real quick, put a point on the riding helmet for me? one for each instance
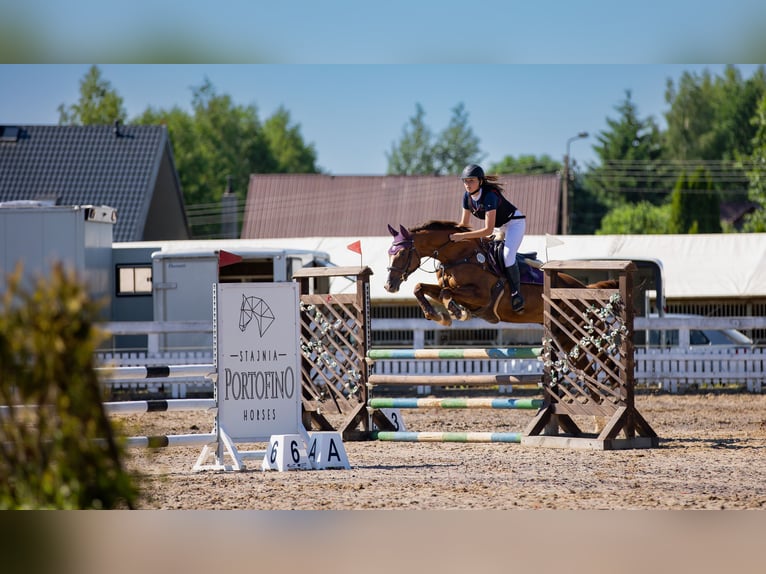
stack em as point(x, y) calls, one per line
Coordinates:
point(472, 170)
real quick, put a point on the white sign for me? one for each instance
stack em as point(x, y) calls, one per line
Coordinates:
point(258, 358)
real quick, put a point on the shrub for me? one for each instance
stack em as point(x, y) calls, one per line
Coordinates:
point(58, 450)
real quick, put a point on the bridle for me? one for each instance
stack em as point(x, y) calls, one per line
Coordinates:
point(397, 247)
point(409, 244)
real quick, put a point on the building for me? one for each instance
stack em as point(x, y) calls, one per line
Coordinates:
point(308, 205)
point(129, 168)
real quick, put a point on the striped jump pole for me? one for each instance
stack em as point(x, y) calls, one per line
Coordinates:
point(111, 374)
point(160, 405)
point(427, 436)
point(451, 380)
point(162, 441)
point(152, 406)
point(454, 403)
point(487, 353)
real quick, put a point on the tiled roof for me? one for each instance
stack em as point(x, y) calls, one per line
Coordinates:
point(288, 205)
point(81, 165)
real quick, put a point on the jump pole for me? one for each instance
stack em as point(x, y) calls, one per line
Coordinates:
point(454, 403)
point(486, 353)
point(427, 436)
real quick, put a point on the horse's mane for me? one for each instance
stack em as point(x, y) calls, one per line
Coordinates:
point(435, 225)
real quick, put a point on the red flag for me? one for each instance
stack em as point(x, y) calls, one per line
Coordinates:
point(356, 246)
point(225, 258)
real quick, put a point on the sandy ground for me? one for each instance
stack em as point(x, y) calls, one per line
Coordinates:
point(711, 456)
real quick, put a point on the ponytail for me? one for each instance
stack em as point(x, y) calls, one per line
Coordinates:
point(491, 184)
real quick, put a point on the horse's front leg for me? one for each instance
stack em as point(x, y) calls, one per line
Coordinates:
point(433, 291)
point(458, 300)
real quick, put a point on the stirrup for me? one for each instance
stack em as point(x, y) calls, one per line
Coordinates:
point(517, 302)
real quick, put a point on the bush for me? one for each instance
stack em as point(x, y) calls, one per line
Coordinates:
point(60, 451)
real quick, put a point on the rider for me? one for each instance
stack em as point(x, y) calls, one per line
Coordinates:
point(484, 199)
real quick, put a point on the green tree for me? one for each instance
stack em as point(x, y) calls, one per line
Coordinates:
point(756, 221)
point(62, 452)
point(710, 124)
point(221, 139)
point(641, 218)
point(286, 145)
point(586, 210)
point(694, 207)
point(456, 145)
point(627, 152)
point(418, 152)
point(710, 117)
point(527, 164)
point(413, 154)
point(99, 104)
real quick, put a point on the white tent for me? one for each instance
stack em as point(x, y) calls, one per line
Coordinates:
point(714, 265)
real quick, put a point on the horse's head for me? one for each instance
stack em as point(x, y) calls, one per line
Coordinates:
point(403, 259)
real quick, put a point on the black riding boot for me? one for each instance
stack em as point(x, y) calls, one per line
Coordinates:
point(517, 301)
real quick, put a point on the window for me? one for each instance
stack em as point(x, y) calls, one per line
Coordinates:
point(134, 280)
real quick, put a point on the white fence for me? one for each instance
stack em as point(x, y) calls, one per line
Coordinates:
point(676, 369)
point(671, 369)
point(153, 355)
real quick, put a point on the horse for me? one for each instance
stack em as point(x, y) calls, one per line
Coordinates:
point(469, 283)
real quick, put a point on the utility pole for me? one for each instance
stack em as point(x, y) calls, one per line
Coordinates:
point(229, 224)
point(565, 186)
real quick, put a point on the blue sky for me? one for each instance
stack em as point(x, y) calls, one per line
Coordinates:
point(394, 31)
point(353, 114)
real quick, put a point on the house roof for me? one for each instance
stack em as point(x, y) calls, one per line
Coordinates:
point(292, 205)
point(129, 168)
point(733, 211)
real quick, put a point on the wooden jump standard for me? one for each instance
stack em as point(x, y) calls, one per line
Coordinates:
point(587, 355)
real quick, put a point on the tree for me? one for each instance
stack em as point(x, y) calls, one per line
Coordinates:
point(694, 208)
point(286, 145)
point(756, 221)
point(413, 155)
point(710, 124)
point(586, 210)
point(526, 164)
point(456, 145)
point(641, 218)
point(221, 139)
point(99, 104)
point(627, 151)
point(420, 153)
point(709, 118)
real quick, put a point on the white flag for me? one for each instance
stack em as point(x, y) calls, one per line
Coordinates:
point(551, 241)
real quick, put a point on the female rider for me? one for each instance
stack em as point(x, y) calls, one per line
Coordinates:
point(484, 199)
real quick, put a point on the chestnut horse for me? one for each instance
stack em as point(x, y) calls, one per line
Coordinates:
point(467, 285)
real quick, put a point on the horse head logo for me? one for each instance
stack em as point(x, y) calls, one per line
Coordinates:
point(255, 308)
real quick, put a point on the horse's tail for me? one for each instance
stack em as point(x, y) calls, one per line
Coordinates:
point(607, 284)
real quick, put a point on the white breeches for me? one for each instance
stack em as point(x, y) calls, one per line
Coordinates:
point(514, 234)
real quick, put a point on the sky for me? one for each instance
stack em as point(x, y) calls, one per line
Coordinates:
point(354, 114)
point(531, 75)
point(394, 31)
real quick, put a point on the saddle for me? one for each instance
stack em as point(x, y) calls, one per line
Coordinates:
point(529, 266)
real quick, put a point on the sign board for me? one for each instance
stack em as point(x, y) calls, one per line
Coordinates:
point(257, 349)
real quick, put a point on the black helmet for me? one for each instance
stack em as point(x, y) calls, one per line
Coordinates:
point(472, 170)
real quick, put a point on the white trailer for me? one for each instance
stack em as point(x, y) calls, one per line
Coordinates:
point(177, 279)
point(38, 234)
